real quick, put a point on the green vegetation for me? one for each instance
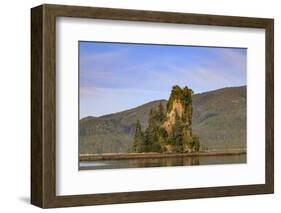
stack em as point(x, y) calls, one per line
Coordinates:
point(138, 145)
point(170, 131)
point(185, 97)
point(218, 117)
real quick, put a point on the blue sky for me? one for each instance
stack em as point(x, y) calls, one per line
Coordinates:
point(115, 77)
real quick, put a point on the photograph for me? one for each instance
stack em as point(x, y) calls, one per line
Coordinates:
point(155, 105)
point(140, 105)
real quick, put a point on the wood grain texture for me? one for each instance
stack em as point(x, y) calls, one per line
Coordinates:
point(269, 118)
point(43, 105)
point(36, 106)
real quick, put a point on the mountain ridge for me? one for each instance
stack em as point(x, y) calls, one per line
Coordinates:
point(219, 118)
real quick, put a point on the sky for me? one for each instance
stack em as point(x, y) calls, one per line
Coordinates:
point(118, 76)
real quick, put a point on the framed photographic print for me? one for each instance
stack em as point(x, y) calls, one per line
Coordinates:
point(136, 106)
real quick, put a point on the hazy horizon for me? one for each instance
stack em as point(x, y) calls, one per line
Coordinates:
point(115, 77)
point(153, 101)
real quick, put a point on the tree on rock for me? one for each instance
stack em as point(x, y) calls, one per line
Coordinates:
point(169, 131)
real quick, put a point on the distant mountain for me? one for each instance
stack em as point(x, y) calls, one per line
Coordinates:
point(219, 118)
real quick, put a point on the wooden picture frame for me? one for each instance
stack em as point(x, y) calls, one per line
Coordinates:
point(43, 105)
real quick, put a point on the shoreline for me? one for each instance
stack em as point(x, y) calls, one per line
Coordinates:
point(132, 156)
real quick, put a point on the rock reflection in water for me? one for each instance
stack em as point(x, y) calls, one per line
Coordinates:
point(162, 162)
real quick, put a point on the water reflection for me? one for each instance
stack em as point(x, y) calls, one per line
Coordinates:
point(161, 162)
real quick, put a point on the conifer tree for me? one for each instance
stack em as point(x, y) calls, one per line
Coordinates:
point(138, 145)
point(161, 113)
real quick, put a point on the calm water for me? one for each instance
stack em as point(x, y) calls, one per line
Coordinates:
point(160, 162)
